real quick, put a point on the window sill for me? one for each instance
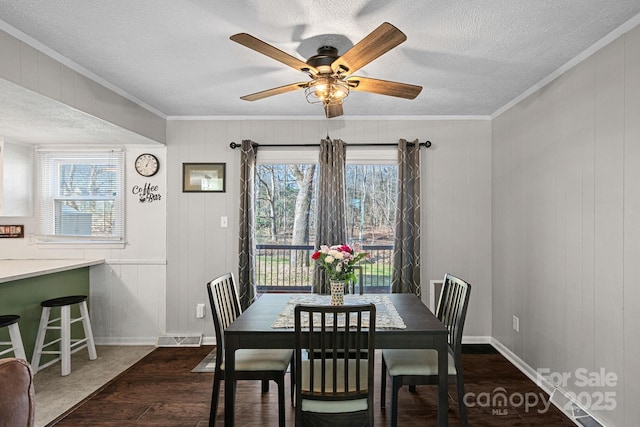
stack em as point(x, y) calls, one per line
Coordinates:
point(80, 244)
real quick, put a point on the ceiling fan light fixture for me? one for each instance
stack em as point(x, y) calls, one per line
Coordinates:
point(327, 91)
point(332, 74)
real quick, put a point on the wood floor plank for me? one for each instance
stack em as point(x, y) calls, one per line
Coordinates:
point(161, 390)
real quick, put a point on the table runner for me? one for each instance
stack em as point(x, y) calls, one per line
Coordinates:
point(387, 316)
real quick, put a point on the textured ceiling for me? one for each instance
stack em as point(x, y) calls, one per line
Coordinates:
point(27, 117)
point(471, 57)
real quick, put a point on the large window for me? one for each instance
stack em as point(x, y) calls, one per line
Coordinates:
point(81, 196)
point(285, 217)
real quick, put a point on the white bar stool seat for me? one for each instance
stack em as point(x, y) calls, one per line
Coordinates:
point(15, 345)
point(63, 324)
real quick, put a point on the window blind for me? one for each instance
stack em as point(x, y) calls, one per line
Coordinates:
point(81, 195)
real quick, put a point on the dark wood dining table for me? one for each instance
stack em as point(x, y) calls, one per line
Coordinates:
point(253, 329)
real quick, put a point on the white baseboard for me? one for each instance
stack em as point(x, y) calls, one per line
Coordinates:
point(557, 396)
point(476, 340)
point(125, 340)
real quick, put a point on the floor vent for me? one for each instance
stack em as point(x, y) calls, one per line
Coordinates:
point(176, 341)
point(577, 414)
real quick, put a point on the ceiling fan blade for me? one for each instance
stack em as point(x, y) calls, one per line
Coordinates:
point(333, 110)
point(275, 91)
point(378, 42)
point(272, 52)
point(383, 87)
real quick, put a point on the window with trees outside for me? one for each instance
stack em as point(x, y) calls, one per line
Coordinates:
point(285, 218)
point(81, 197)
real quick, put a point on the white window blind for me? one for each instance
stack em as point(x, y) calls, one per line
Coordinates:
point(82, 195)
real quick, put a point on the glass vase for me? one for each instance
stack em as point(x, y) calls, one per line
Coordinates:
point(337, 292)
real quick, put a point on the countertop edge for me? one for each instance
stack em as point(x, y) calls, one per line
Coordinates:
point(39, 267)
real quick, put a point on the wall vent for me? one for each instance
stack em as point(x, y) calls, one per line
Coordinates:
point(435, 288)
point(177, 341)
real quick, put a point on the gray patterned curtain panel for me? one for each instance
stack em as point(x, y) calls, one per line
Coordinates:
point(406, 244)
point(331, 224)
point(246, 278)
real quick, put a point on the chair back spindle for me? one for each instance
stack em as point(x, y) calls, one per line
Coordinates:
point(452, 309)
point(335, 355)
point(225, 307)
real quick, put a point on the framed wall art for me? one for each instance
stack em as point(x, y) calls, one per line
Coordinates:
point(203, 177)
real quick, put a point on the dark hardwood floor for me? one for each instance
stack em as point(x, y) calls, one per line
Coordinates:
point(161, 390)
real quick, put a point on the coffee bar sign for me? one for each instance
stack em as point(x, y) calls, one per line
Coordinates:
point(11, 231)
point(147, 193)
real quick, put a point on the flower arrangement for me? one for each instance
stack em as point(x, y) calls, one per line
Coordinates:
point(339, 260)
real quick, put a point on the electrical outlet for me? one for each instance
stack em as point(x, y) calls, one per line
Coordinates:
point(200, 311)
point(516, 323)
point(223, 222)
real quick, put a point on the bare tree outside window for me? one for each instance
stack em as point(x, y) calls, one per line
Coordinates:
point(286, 215)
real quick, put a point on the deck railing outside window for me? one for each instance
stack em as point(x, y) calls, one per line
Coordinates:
point(289, 268)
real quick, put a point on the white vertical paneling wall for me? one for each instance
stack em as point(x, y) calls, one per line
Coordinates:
point(128, 292)
point(566, 230)
point(128, 295)
point(456, 227)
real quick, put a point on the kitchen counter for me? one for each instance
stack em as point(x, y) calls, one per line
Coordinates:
point(25, 283)
point(16, 269)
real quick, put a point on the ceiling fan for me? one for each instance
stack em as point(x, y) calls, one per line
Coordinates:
point(331, 74)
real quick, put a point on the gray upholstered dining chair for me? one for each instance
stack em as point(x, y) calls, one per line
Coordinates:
point(250, 364)
point(418, 367)
point(334, 388)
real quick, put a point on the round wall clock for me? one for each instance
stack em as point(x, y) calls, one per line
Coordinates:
point(147, 164)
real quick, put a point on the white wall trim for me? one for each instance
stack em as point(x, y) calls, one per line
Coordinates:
point(523, 366)
point(126, 340)
point(624, 28)
point(208, 340)
point(136, 261)
point(545, 385)
point(320, 117)
point(476, 340)
point(211, 340)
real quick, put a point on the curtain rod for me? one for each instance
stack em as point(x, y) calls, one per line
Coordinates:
point(427, 144)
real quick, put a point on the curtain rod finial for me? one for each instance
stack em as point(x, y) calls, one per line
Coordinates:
point(233, 145)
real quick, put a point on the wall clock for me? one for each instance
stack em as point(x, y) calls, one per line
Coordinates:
point(147, 164)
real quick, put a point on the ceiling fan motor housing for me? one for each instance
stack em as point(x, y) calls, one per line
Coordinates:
point(323, 60)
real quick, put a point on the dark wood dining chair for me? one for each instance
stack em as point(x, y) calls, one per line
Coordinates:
point(420, 367)
point(335, 364)
point(250, 364)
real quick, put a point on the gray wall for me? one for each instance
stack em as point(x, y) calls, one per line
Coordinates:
point(456, 203)
point(566, 225)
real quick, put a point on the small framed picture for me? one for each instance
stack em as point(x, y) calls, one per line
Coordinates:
point(203, 178)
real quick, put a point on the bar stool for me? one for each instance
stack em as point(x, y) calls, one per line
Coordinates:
point(63, 323)
point(15, 345)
